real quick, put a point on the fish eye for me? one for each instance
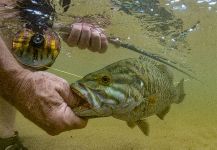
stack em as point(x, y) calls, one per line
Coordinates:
point(105, 80)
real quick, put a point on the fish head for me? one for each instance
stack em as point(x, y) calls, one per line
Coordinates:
point(103, 90)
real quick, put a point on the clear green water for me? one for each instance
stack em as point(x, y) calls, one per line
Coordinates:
point(191, 125)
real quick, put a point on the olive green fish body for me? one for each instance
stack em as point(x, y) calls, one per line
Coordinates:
point(130, 90)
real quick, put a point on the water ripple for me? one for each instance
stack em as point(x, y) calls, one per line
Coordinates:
point(180, 5)
point(177, 5)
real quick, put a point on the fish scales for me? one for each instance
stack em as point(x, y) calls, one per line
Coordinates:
point(131, 90)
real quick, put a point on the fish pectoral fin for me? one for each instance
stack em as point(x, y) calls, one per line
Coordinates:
point(143, 126)
point(162, 114)
point(131, 124)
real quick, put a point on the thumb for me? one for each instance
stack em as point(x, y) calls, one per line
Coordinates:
point(72, 121)
point(64, 119)
point(71, 99)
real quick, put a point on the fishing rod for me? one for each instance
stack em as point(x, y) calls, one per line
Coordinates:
point(117, 42)
point(40, 22)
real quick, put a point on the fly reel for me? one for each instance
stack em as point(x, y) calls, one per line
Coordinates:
point(36, 50)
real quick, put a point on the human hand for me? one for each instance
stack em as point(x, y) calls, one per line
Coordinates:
point(46, 100)
point(86, 35)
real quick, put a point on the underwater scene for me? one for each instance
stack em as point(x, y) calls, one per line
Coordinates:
point(180, 34)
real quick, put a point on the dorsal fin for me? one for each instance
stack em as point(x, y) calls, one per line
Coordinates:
point(161, 67)
point(163, 61)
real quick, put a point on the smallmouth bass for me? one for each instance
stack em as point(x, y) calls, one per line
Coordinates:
point(130, 90)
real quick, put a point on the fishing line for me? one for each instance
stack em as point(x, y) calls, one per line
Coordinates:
point(71, 74)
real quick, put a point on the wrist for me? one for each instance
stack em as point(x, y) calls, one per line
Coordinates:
point(10, 71)
point(11, 79)
point(11, 74)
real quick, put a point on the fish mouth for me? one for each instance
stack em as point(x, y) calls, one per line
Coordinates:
point(84, 99)
point(75, 88)
point(87, 107)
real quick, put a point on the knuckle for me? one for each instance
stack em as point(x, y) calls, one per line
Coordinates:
point(95, 35)
point(64, 82)
point(103, 37)
point(86, 29)
point(76, 26)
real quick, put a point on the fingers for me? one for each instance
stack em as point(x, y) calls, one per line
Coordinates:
point(104, 43)
point(95, 42)
point(72, 121)
point(62, 87)
point(85, 35)
point(66, 93)
point(75, 34)
point(59, 117)
point(64, 113)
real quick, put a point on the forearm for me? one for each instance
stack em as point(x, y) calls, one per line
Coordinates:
point(9, 71)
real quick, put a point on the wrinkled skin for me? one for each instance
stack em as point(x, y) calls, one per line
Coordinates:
point(47, 101)
point(42, 97)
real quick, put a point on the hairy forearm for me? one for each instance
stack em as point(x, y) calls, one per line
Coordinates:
point(41, 97)
point(9, 71)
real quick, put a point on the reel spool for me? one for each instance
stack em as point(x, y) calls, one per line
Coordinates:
point(36, 50)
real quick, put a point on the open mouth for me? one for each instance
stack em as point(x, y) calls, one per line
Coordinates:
point(80, 91)
point(90, 104)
